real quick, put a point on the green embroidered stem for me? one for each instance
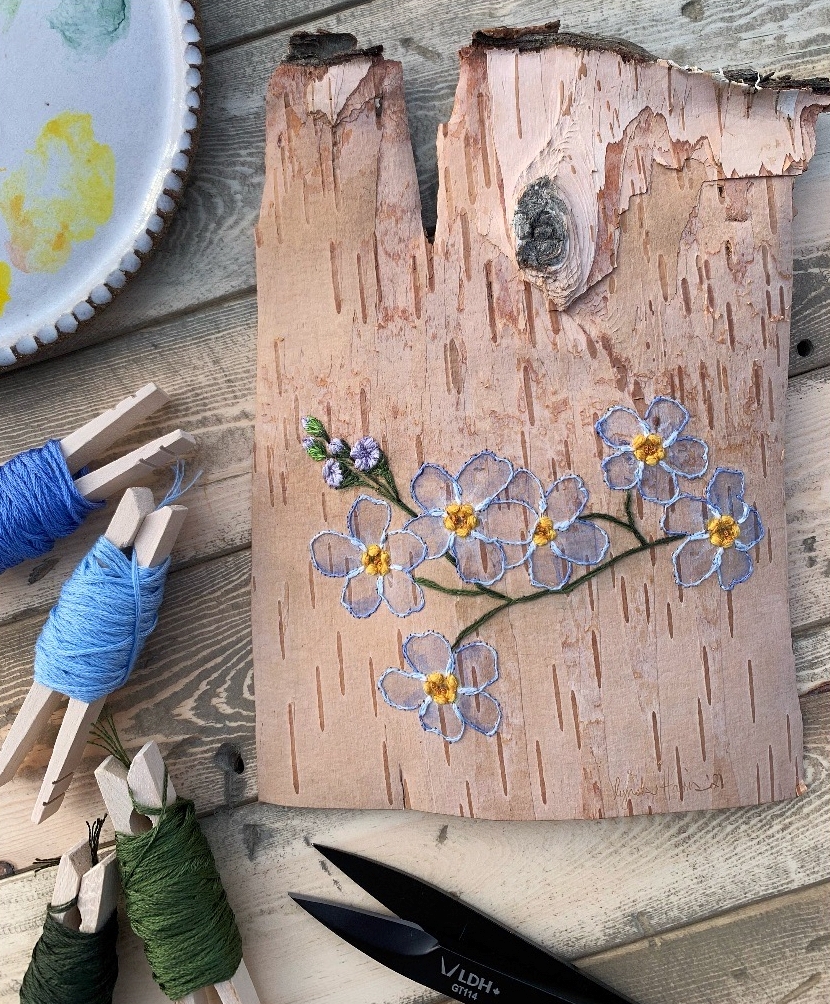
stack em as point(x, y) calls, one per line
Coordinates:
point(571, 586)
point(476, 591)
point(629, 511)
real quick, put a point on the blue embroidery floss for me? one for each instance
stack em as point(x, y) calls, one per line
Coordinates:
point(106, 611)
point(39, 503)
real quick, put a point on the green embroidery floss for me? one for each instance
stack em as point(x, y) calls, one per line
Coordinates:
point(176, 903)
point(69, 967)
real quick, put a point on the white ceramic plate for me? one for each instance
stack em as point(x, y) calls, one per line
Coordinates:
point(99, 112)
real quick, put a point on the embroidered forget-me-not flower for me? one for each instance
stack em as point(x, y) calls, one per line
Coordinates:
point(377, 565)
point(649, 453)
point(456, 518)
point(448, 689)
point(720, 530)
point(556, 538)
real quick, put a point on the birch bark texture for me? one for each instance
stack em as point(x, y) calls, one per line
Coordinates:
point(629, 695)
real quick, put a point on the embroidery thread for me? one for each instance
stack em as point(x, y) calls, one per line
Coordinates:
point(490, 518)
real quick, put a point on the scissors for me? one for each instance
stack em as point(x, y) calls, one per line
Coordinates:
point(438, 941)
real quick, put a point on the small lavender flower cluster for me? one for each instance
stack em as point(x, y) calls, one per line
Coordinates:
point(342, 464)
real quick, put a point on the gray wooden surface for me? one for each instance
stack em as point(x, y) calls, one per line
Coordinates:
point(710, 907)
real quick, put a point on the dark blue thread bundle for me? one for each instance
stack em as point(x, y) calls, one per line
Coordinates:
point(39, 503)
point(106, 611)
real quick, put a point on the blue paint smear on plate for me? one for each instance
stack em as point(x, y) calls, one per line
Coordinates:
point(8, 9)
point(90, 26)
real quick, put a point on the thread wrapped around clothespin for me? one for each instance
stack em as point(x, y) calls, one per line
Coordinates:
point(172, 888)
point(106, 611)
point(39, 503)
point(74, 960)
point(46, 493)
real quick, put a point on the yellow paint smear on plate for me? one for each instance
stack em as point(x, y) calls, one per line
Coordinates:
point(61, 193)
point(5, 285)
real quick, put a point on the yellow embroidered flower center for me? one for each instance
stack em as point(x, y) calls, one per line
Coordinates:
point(723, 531)
point(544, 532)
point(648, 449)
point(375, 560)
point(441, 687)
point(460, 518)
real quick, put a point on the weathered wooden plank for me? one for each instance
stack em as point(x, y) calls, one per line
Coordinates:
point(225, 24)
point(776, 950)
point(205, 362)
point(644, 875)
point(192, 691)
point(209, 252)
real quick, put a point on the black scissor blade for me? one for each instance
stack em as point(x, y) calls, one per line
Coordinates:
point(465, 931)
point(410, 951)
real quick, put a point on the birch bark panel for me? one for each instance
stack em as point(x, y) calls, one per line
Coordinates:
point(628, 696)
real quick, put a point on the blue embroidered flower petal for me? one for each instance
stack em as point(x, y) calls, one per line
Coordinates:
point(480, 711)
point(483, 477)
point(369, 519)
point(694, 560)
point(547, 570)
point(428, 652)
point(401, 594)
point(523, 487)
point(334, 554)
point(621, 470)
point(735, 567)
point(725, 493)
point(404, 691)
point(506, 522)
point(688, 456)
point(565, 500)
point(443, 720)
point(667, 417)
point(431, 530)
point(476, 666)
point(405, 549)
point(751, 529)
point(432, 488)
point(685, 516)
point(361, 595)
point(582, 542)
point(479, 560)
point(619, 426)
point(658, 484)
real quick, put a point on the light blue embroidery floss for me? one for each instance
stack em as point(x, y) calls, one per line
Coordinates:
point(106, 611)
point(39, 503)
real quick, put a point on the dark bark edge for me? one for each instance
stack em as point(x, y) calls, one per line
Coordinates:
point(324, 48)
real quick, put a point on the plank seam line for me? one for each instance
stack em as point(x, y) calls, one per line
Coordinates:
point(292, 22)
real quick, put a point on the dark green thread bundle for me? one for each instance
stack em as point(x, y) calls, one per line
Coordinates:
point(69, 967)
point(176, 903)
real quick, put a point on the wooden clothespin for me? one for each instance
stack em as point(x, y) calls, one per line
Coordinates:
point(90, 890)
point(91, 440)
point(145, 780)
point(152, 534)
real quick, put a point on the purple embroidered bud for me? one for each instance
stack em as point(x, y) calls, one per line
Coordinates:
point(366, 454)
point(336, 447)
point(333, 473)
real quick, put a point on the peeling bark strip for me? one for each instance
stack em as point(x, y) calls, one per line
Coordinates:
point(610, 228)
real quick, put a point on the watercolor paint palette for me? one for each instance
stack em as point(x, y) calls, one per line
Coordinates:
point(98, 123)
